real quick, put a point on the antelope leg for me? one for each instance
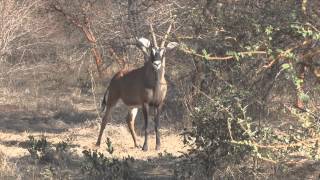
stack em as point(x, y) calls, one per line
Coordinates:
point(130, 120)
point(157, 125)
point(104, 121)
point(145, 110)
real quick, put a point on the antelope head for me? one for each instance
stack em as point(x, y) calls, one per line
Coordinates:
point(152, 52)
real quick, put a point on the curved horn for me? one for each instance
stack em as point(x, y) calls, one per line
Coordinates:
point(153, 36)
point(166, 35)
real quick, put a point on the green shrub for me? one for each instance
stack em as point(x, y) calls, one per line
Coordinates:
point(98, 166)
point(43, 151)
point(216, 124)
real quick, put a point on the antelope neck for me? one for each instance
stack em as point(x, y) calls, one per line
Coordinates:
point(154, 77)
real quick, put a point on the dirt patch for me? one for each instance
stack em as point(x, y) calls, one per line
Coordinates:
point(80, 129)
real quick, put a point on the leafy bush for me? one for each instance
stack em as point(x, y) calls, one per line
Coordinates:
point(110, 148)
point(43, 151)
point(94, 164)
point(217, 124)
point(98, 166)
point(38, 149)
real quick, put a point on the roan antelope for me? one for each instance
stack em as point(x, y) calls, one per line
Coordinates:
point(143, 87)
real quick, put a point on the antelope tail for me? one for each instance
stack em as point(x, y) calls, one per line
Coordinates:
point(104, 101)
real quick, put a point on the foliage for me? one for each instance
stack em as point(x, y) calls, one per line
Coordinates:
point(216, 124)
point(234, 116)
point(223, 135)
point(93, 164)
point(110, 148)
point(97, 165)
point(38, 148)
point(43, 151)
point(48, 160)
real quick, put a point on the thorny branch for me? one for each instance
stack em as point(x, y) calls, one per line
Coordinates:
point(86, 29)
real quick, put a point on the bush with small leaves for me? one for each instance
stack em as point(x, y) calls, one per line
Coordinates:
point(217, 124)
point(98, 166)
point(43, 151)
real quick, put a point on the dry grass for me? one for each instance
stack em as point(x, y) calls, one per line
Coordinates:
point(64, 112)
point(74, 121)
point(6, 169)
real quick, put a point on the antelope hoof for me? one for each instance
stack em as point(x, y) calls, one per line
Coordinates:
point(145, 147)
point(157, 147)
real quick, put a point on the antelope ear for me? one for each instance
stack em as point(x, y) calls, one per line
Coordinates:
point(172, 45)
point(144, 42)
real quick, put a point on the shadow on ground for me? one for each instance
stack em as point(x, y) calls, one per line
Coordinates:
point(303, 170)
point(70, 166)
point(16, 120)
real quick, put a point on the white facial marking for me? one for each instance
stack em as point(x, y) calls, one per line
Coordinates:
point(156, 64)
point(154, 51)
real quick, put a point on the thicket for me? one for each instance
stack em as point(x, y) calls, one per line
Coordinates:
point(248, 105)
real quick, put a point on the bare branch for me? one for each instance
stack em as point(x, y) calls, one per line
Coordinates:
point(86, 29)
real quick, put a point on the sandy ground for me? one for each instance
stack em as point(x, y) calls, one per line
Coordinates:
point(85, 137)
point(78, 127)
